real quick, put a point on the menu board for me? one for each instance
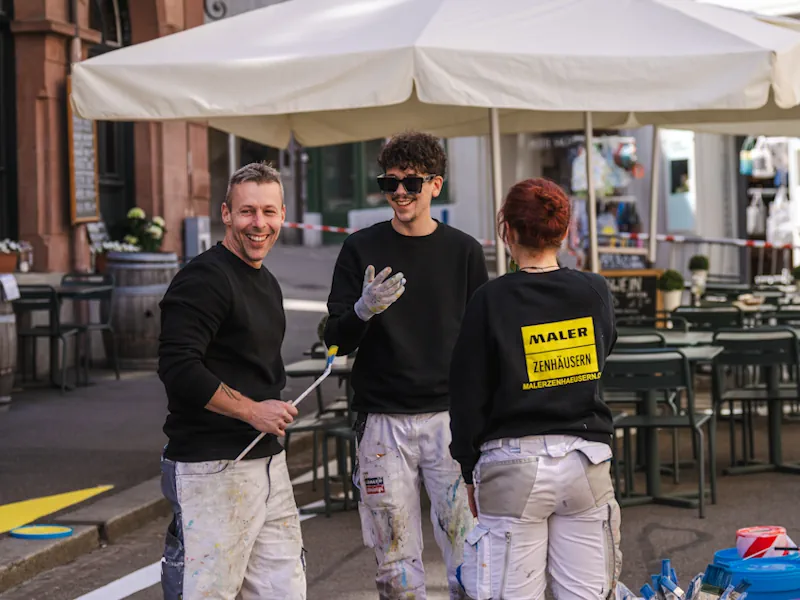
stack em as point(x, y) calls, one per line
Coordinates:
point(83, 177)
point(635, 292)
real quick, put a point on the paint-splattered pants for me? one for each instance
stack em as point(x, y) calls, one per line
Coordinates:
point(395, 454)
point(235, 533)
point(545, 504)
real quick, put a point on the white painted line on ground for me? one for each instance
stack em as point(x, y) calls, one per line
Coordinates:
point(317, 306)
point(128, 585)
point(308, 477)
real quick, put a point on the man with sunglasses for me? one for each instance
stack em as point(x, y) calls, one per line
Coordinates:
point(404, 327)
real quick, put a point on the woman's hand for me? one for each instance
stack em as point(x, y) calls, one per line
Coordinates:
point(471, 499)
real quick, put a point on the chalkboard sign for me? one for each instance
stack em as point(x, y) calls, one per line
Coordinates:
point(615, 262)
point(83, 177)
point(97, 233)
point(635, 292)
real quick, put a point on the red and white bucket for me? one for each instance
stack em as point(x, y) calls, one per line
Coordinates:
point(760, 542)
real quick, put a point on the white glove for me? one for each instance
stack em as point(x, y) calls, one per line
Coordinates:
point(378, 293)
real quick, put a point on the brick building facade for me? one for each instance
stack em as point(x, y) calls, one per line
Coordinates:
point(160, 167)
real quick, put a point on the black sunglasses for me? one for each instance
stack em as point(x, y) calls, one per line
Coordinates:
point(412, 183)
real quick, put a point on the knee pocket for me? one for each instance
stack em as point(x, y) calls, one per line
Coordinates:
point(487, 565)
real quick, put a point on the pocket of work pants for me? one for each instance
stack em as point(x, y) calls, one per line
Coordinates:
point(379, 482)
point(504, 487)
point(485, 570)
point(613, 554)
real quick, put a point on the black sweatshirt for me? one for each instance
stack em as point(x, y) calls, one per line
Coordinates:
point(404, 353)
point(528, 361)
point(221, 321)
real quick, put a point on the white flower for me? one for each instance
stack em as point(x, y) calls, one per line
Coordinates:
point(155, 232)
point(136, 213)
point(159, 221)
point(9, 247)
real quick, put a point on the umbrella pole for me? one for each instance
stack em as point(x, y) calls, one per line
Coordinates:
point(233, 151)
point(497, 188)
point(655, 178)
point(594, 256)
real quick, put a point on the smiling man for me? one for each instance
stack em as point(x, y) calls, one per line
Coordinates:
point(405, 327)
point(235, 531)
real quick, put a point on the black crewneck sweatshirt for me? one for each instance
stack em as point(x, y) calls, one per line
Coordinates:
point(221, 321)
point(404, 353)
point(528, 361)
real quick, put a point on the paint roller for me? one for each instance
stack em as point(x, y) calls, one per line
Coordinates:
point(328, 366)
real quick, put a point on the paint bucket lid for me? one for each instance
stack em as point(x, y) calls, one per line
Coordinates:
point(768, 575)
point(41, 532)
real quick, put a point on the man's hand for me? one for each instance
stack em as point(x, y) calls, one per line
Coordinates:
point(473, 508)
point(272, 416)
point(378, 293)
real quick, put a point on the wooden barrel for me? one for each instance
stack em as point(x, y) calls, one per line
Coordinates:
point(140, 281)
point(8, 349)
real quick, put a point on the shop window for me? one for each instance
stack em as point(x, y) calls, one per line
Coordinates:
point(105, 17)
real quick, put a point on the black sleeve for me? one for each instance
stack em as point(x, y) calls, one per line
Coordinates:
point(471, 386)
point(478, 273)
point(344, 328)
point(192, 310)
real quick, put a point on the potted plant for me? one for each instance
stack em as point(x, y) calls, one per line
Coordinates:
point(100, 253)
point(671, 285)
point(698, 262)
point(698, 265)
point(796, 274)
point(9, 255)
point(146, 233)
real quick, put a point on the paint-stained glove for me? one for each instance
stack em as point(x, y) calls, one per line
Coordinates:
point(378, 293)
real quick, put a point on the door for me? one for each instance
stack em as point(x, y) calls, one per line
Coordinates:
point(115, 148)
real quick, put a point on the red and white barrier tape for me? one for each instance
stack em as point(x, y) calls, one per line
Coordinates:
point(677, 239)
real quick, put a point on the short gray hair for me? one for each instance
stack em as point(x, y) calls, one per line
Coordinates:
point(257, 172)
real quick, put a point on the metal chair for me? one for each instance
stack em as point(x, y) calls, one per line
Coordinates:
point(711, 318)
point(649, 372)
point(666, 321)
point(106, 299)
point(44, 298)
point(766, 349)
point(644, 341)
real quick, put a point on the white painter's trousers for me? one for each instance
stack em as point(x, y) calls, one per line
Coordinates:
point(545, 504)
point(235, 533)
point(396, 453)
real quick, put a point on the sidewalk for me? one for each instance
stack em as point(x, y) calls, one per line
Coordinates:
point(109, 433)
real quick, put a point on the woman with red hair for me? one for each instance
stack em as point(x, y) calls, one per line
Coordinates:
point(529, 428)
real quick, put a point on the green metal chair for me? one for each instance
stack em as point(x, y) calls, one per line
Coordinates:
point(761, 350)
point(650, 372)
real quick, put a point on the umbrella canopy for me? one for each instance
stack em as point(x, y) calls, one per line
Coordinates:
point(334, 71)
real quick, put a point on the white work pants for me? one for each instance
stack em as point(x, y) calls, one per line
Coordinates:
point(395, 454)
point(545, 504)
point(235, 533)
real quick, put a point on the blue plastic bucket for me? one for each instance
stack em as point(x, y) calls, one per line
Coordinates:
point(771, 578)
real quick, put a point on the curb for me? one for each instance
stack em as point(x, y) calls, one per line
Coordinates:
point(120, 514)
point(106, 520)
point(21, 560)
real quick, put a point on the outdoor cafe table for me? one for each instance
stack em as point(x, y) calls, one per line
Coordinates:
point(69, 292)
point(695, 355)
point(691, 340)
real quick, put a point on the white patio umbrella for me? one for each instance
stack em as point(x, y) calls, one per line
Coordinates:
point(334, 71)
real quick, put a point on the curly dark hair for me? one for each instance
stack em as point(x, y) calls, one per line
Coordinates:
point(414, 150)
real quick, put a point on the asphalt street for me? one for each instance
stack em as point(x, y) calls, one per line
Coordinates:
point(111, 433)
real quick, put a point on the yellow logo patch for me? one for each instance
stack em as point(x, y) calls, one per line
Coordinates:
point(560, 353)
